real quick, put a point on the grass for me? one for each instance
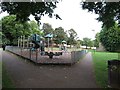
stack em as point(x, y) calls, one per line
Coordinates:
point(100, 60)
point(6, 80)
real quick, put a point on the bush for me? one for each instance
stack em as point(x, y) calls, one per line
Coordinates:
point(110, 38)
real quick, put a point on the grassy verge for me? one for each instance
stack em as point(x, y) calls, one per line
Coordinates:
point(6, 80)
point(100, 60)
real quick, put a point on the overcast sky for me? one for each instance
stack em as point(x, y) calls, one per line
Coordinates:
point(82, 21)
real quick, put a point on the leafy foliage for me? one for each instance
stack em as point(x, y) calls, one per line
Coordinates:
point(12, 29)
point(97, 40)
point(108, 12)
point(60, 35)
point(47, 28)
point(87, 42)
point(23, 10)
point(34, 28)
point(110, 38)
point(72, 37)
point(8, 27)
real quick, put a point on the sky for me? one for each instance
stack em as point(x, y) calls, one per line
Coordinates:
point(82, 21)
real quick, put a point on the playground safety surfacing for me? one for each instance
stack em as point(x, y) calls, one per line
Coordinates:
point(64, 59)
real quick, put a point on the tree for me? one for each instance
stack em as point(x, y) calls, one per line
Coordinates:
point(23, 10)
point(59, 35)
point(72, 37)
point(47, 28)
point(3, 39)
point(0, 37)
point(78, 43)
point(97, 40)
point(8, 27)
point(35, 28)
point(110, 38)
point(87, 42)
point(12, 29)
point(108, 12)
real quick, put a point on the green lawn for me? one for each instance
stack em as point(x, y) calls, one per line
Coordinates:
point(6, 80)
point(100, 60)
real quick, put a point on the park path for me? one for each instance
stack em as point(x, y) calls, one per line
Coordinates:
point(25, 74)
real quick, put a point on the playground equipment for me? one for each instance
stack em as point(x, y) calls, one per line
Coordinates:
point(51, 53)
point(38, 42)
point(24, 42)
point(64, 45)
point(35, 42)
point(35, 48)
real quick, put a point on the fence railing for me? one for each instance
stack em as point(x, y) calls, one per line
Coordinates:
point(34, 55)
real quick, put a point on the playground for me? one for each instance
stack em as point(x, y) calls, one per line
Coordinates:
point(36, 50)
point(75, 51)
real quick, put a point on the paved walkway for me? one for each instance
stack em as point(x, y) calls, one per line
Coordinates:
point(0, 69)
point(25, 74)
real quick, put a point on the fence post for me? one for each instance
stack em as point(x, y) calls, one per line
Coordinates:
point(23, 41)
point(36, 55)
point(18, 42)
point(30, 53)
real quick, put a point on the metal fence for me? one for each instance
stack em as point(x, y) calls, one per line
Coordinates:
point(77, 55)
point(35, 55)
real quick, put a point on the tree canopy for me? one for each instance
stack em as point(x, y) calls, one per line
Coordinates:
point(108, 12)
point(12, 29)
point(87, 42)
point(72, 37)
point(23, 10)
point(47, 28)
point(97, 40)
point(60, 35)
point(34, 28)
point(110, 38)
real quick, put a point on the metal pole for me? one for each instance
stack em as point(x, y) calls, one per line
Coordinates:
point(28, 42)
point(30, 53)
point(36, 55)
point(23, 41)
point(48, 44)
point(21, 45)
point(18, 42)
point(52, 44)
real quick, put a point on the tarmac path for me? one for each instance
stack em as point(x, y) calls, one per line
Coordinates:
point(25, 74)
